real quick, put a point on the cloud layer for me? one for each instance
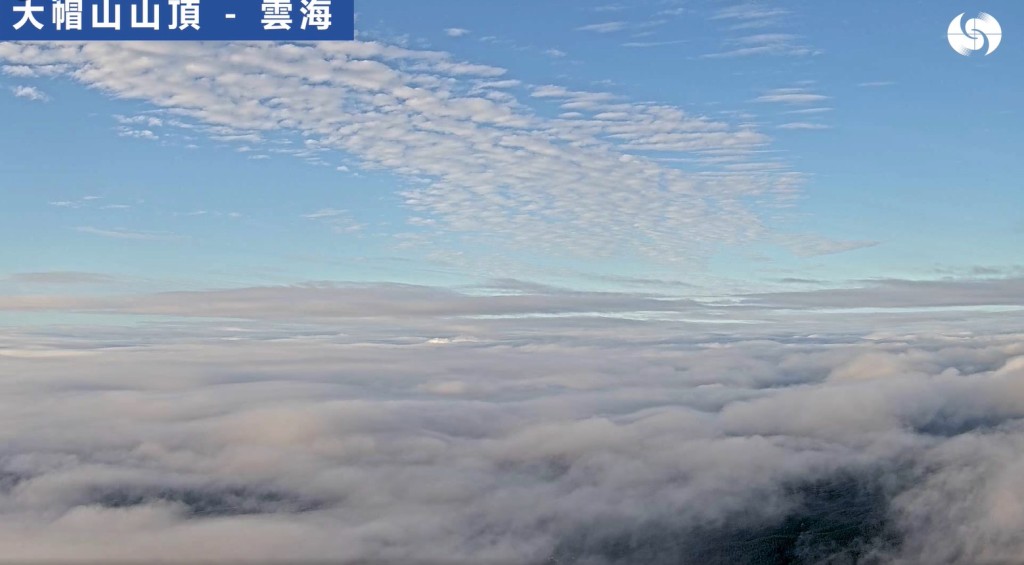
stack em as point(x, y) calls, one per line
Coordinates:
point(333, 301)
point(477, 440)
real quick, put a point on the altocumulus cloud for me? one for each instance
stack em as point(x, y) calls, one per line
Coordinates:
point(484, 159)
point(467, 439)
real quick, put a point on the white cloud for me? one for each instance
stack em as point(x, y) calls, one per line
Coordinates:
point(642, 44)
point(456, 32)
point(479, 442)
point(30, 92)
point(125, 131)
point(88, 201)
point(765, 44)
point(759, 16)
point(791, 96)
point(606, 27)
point(340, 221)
point(122, 233)
point(804, 111)
point(325, 213)
point(750, 12)
point(33, 71)
point(803, 126)
point(146, 120)
point(19, 71)
point(500, 172)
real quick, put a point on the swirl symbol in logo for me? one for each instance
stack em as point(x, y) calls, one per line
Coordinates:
point(972, 36)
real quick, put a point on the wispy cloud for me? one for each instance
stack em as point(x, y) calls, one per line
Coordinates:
point(125, 131)
point(643, 44)
point(765, 44)
point(747, 18)
point(30, 93)
point(606, 27)
point(122, 233)
point(806, 111)
point(791, 96)
point(92, 202)
point(340, 221)
point(137, 120)
point(325, 213)
point(751, 14)
point(803, 126)
point(456, 32)
point(810, 245)
point(60, 278)
point(765, 19)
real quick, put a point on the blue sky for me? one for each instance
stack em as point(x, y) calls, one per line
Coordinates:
point(780, 140)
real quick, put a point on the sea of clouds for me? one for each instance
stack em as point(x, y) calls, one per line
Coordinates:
point(576, 438)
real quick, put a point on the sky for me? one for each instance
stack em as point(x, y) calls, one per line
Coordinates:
point(725, 146)
point(575, 282)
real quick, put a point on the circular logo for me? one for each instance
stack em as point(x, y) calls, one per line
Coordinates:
point(974, 35)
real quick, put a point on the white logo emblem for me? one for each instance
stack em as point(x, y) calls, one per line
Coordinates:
point(968, 38)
